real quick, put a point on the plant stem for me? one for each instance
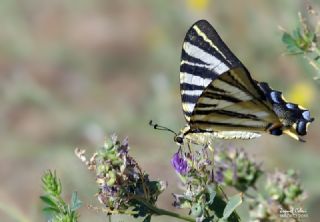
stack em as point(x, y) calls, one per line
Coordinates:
point(317, 51)
point(159, 211)
point(113, 212)
point(314, 64)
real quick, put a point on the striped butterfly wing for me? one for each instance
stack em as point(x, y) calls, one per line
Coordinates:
point(232, 102)
point(217, 91)
point(204, 57)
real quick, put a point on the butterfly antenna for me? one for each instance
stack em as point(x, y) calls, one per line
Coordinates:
point(159, 127)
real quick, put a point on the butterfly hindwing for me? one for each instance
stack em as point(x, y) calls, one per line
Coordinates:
point(232, 102)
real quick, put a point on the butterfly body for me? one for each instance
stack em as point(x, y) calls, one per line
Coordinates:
point(198, 137)
point(221, 100)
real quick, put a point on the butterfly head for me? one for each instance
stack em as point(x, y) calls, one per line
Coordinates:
point(179, 139)
point(182, 135)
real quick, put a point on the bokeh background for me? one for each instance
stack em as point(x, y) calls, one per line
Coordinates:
point(71, 72)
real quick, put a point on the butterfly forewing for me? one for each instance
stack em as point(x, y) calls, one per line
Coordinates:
point(204, 57)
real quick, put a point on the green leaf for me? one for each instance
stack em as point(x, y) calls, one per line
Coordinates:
point(232, 204)
point(291, 43)
point(287, 39)
point(309, 37)
point(212, 194)
point(217, 206)
point(208, 219)
point(75, 202)
point(147, 219)
point(50, 210)
point(196, 210)
point(49, 201)
point(184, 203)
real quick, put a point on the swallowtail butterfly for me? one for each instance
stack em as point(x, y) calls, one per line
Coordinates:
point(221, 100)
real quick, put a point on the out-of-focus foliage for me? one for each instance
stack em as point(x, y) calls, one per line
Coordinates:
point(305, 39)
point(282, 200)
point(73, 71)
point(56, 209)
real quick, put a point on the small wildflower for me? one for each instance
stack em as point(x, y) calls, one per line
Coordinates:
point(218, 176)
point(283, 191)
point(235, 168)
point(285, 188)
point(179, 163)
point(121, 183)
point(81, 154)
point(199, 182)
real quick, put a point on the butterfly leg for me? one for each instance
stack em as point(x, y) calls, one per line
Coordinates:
point(210, 147)
point(189, 147)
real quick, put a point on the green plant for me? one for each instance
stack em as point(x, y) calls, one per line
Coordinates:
point(304, 40)
point(124, 188)
point(56, 209)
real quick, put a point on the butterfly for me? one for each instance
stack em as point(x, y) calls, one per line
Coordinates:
point(220, 99)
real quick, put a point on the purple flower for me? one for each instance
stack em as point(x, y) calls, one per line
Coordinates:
point(179, 163)
point(235, 173)
point(218, 176)
point(124, 147)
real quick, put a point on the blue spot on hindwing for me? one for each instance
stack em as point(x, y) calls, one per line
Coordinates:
point(291, 106)
point(306, 115)
point(301, 127)
point(276, 96)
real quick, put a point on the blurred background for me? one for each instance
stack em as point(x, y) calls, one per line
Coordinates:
point(72, 72)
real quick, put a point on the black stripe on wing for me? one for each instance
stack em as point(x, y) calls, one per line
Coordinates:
point(187, 86)
point(226, 113)
point(215, 89)
point(202, 72)
point(219, 49)
point(195, 39)
point(218, 96)
point(204, 57)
